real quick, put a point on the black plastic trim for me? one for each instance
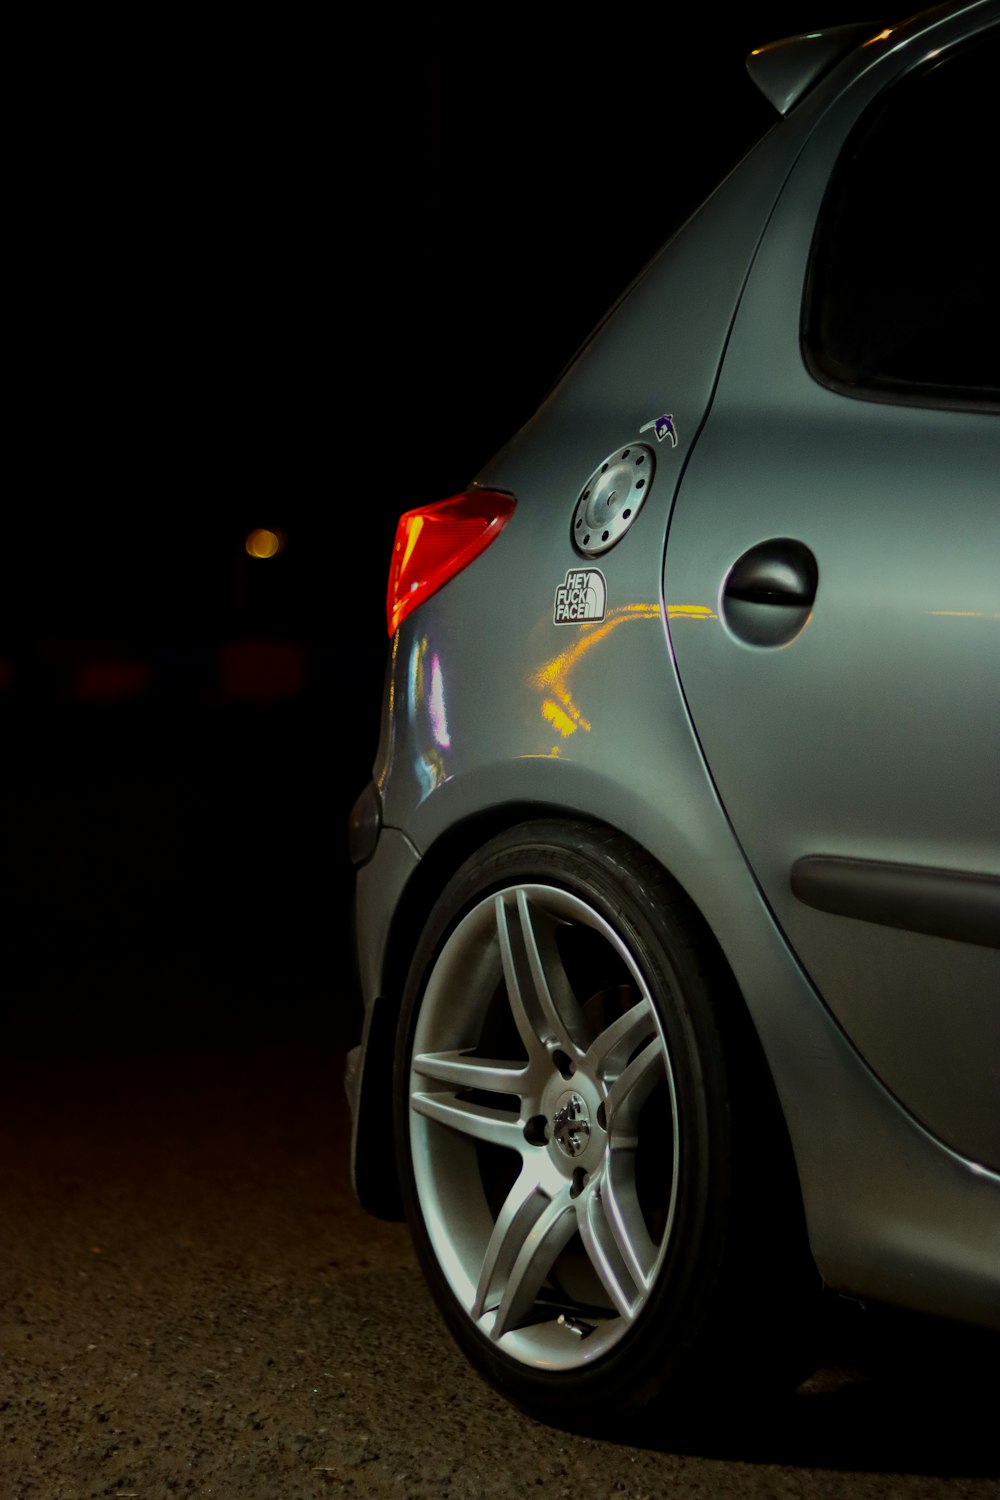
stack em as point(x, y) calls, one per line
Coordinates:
point(374, 1175)
point(941, 903)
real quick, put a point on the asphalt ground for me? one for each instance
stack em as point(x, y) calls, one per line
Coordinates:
point(192, 1304)
point(191, 1301)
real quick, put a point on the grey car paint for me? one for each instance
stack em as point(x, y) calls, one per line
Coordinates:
point(486, 721)
point(875, 730)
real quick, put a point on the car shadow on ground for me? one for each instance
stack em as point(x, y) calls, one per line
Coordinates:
point(895, 1393)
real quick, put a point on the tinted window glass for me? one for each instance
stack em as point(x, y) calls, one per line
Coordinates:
point(902, 300)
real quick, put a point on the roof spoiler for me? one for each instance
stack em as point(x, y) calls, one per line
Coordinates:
point(787, 69)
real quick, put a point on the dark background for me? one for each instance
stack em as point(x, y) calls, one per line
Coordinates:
point(282, 273)
point(287, 271)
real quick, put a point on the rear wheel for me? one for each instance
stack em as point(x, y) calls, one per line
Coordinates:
point(567, 1124)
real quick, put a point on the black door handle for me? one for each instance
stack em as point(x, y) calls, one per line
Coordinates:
point(769, 592)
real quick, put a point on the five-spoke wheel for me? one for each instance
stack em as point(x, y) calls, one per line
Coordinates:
point(565, 1121)
point(540, 1081)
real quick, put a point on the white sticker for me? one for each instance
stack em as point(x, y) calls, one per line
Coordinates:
point(581, 598)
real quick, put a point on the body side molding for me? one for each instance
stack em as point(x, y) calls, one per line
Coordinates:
point(954, 904)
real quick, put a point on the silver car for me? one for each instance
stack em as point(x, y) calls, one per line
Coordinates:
point(677, 896)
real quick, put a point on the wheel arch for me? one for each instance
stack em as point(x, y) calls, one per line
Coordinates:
point(374, 1165)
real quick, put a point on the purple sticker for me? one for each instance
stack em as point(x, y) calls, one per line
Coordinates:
point(664, 428)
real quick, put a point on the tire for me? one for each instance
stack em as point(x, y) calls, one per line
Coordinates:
point(581, 1171)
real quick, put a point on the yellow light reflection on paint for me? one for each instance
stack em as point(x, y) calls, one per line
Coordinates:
point(967, 614)
point(264, 543)
point(690, 612)
point(383, 772)
point(415, 675)
point(558, 719)
point(880, 36)
point(394, 651)
point(551, 678)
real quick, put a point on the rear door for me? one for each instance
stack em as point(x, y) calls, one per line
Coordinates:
point(839, 523)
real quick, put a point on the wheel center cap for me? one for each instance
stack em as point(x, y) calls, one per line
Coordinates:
point(571, 1125)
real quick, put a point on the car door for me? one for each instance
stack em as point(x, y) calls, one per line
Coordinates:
point(839, 524)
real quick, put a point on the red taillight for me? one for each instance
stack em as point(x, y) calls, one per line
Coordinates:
point(435, 542)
